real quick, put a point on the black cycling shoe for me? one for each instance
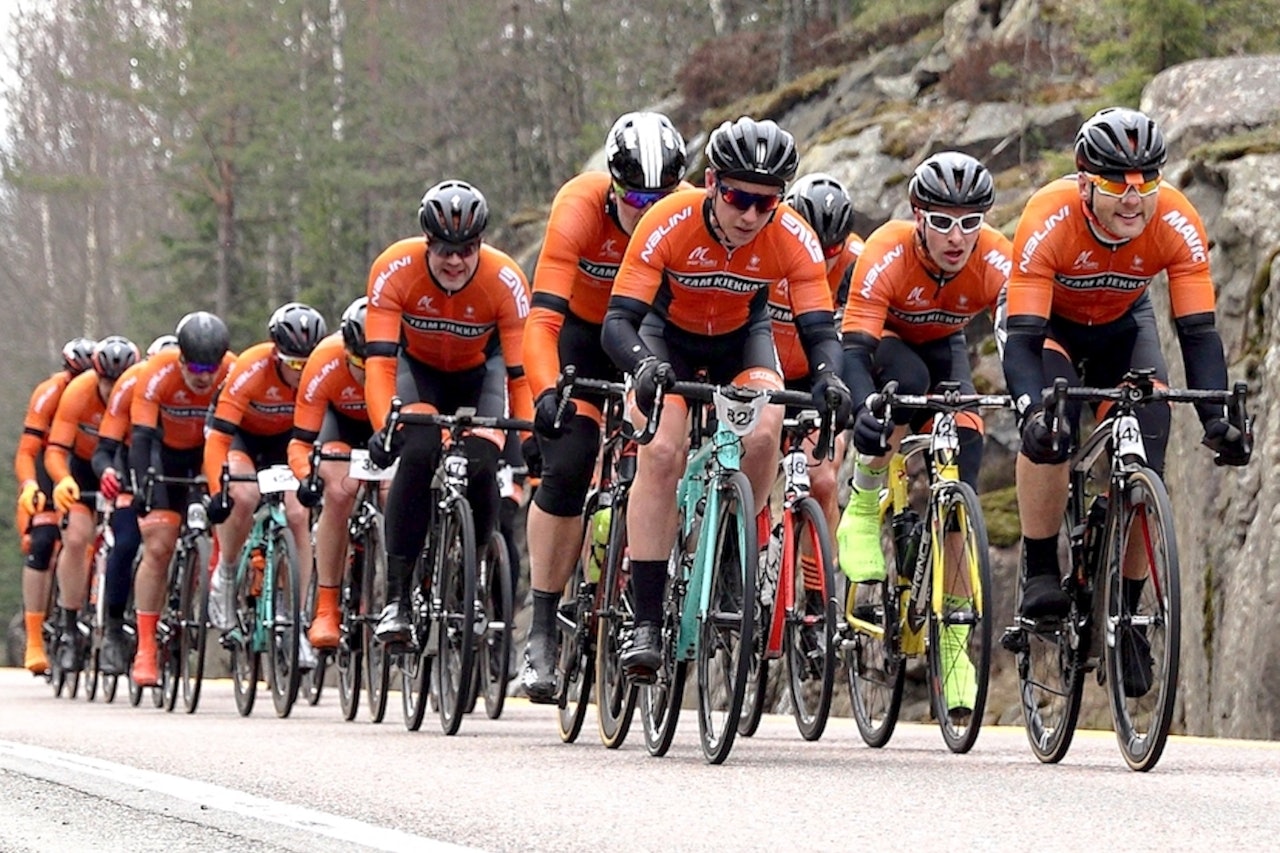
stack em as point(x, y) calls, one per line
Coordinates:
point(1135, 653)
point(116, 651)
point(70, 655)
point(1043, 596)
point(395, 624)
point(641, 656)
point(539, 673)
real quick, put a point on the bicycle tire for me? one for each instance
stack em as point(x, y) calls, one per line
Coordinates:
point(660, 702)
point(455, 580)
point(311, 686)
point(193, 640)
point(724, 649)
point(373, 585)
point(1150, 626)
point(616, 695)
point(349, 656)
point(1051, 658)
point(169, 633)
point(873, 661)
point(285, 631)
point(960, 635)
point(415, 685)
point(808, 669)
point(246, 662)
point(493, 663)
point(97, 611)
point(575, 665)
point(758, 677)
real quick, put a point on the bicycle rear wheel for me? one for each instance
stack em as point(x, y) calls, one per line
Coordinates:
point(455, 580)
point(724, 649)
point(1143, 619)
point(349, 656)
point(810, 641)
point(960, 629)
point(285, 630)
point(193, 637)
point(753, 703)
point(493, 663)
point(615, 693)
point(373, 595)
point(246, 662)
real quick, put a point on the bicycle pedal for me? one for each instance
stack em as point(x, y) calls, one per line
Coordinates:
point(1014, 640)
point(641, 676)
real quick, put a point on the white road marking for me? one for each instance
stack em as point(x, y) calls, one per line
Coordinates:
point(229, 800)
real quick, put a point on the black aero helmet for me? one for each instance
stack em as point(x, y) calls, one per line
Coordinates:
point(353, 327)
point(952, 179)
point(202, 338)
point(756, 151)
point(1118, 140)
point(113, 356)
point(295, 329)
point(77, 355)
point(454, 212)
point(645, 152)
point(824, 203)
point(162, 342)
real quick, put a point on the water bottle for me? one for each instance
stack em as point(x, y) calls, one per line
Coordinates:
point(1094, 528)
point(599, 533)
point(906, 546)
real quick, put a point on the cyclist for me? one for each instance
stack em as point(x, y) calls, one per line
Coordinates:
point(591, 220)
point(824, 203)
point(110, 458)
point(37, 522)
point(250, 430)
point(331, 410)
point(168, 412)
point(913, 291)
point(435, 304)
point(72, 439)
point(1087, 248)
point(692, 293)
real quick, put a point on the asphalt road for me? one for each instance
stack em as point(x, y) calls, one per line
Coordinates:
point(79, 776)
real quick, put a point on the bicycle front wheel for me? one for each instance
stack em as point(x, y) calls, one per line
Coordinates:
point(311, 684)
point(193, 637)
point(724, 649)
point(373, 586)
point(285, 630)
point(615, 693)
point(169, 633)
point(1142, 601)
point(576, 664)
point(349, 657)
point(811, 620)
point(493, 663)
point(455, 580)
point(246, 661)
point(959, 619)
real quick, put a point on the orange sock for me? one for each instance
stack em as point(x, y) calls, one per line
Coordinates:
point(35, 659)
point(147, 632)
point(326, 601)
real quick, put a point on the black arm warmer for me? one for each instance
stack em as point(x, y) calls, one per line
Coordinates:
point(1202, 356)
point(104, 456)
point(619, 336)
point(820, 341)
point(859, 349)
point(140, 453)
point(1024, 361)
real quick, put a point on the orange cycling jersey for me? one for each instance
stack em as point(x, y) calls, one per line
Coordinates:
point(327, 382)
point(254, 399)
point(676, 265)
point(896, 288)
point(35, 426)
point(115, 421)
point(786, 337)
point(1061, 269)
point(163, 402)
point(75, 425)
point(449, 332)
point(579, 260)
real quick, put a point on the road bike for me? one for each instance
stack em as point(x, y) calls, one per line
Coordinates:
point(449, 620)
point(710, 602)
point(797, 611)
point(268, 605)
point(935, 600)
point(1123, 583)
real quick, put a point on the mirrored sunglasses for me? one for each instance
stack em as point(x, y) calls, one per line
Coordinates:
point(355, 361)
point(443, 249)
point(943, 222)
point(293, 363)
point(744, 201)
point(637, 198)
point(1118, 189)
point(201, 368)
